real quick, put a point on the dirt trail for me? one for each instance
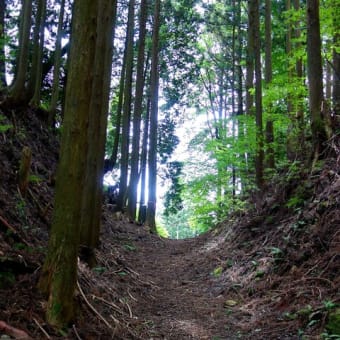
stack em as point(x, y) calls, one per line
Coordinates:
point(179, 303)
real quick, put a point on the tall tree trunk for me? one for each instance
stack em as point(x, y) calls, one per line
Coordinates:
point(270, 159)
point(240, 100)
point(137, 113)
point(143, 164)
point(299, 74)
point(59, 273)
point(336, 68)
point(296, 131)
point(56, 68)
point(249, 83)
point(117, 131)
point(92, 194)
point(18, 88)
point(34, 87)
point(315, 84)
point(152, 159)
point(254, 22)
point(125, 140)
point(3, 82)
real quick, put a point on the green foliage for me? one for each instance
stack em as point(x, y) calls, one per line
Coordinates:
point(161, 230)
point(129, 247)
point(300, 195)
point(259, 274)
point(167, 140)
point(173, 201)
point(19, 246)
point(99, 270)
point(333, 323)
point(122, 273)
point(4, 126)
point(290, 316)
point(177, 225)
point(329, 304)
point(277, 254)
point(35, 179)
point(217, 272)
point(21, 208)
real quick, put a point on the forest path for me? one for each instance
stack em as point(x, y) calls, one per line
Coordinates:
point(177, 300)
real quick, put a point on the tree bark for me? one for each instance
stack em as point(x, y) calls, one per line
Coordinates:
point(315, 84)
point(34, 88)
point(137, 114)
point(143, 161)
point(18, 89)
point(24, 169)
point(92, 195)
point(254, 27)
point(270, 159)
point(249, 82)
point(56, 68)
point(152, 159)
point(336, 68)
point(125, 139)
point(117, 136)
point(3, 82)
point(59, 272)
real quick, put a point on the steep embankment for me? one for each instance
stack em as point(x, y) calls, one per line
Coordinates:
point(270, 273)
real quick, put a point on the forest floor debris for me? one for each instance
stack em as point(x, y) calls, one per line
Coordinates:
point(269, 273)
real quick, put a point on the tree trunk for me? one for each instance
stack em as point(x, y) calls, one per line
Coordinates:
point(117, 137)
point(299, 74)
point(92, 194)
point(18, 89)
point(270, 159)
point(249, 82)
point(336, 69)
point(59, 273)
point(3, 82)
point(137, 113)
point(125, 140)
point(34, 88)
point(24, 169)
point(56, 68)
point(254, 22)
point(152, 159)
point(315, 84)
point(143, 163)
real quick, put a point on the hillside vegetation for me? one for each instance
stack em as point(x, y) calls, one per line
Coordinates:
point(270, 272)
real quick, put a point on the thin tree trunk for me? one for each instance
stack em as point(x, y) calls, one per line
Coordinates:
point(3, 82)
point(249, 83)
point(125, 140)
point(152, 159)
point(36, 71)
point(336, 68)
point(143, 161)
point(254, 27)
point(315, 84)
point(18, 90)
point(137, 113)
point(299, 74)
point(117, 136)
point(268, 79)
point(56, 68)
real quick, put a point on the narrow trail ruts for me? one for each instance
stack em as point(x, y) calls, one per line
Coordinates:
point(179, 303)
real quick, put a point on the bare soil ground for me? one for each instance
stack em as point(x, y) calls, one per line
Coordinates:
point(269, 273)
